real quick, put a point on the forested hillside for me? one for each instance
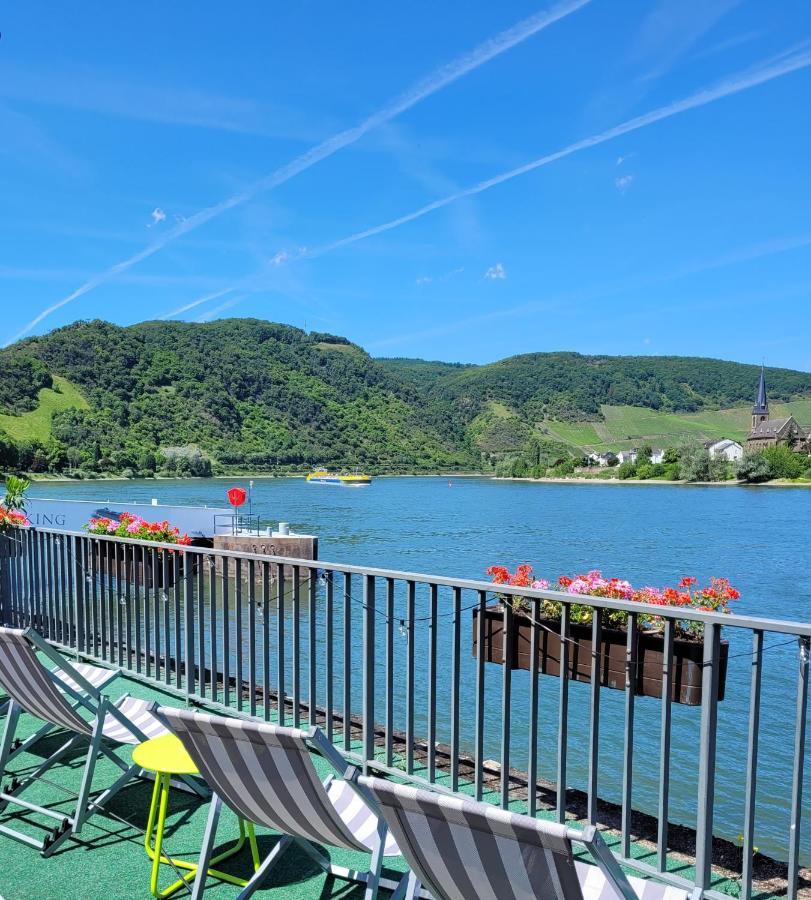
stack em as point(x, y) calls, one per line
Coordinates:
point(240, 392)
point(248, 395)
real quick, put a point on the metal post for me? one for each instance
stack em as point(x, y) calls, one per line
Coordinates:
point(797, 781)
point(706, 764)
point(368, 671)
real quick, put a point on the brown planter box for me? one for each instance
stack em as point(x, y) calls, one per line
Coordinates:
point(140, 560)
point(687, 656)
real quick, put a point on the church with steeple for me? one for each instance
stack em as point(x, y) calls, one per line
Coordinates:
point(768, 432)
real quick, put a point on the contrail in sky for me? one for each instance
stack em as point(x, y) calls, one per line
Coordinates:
point(783, 66)
point(434, 82)
point(186, 307)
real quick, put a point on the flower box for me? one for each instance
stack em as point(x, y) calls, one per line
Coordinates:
point(688, 665)
point(149, 566)
point(687, 655)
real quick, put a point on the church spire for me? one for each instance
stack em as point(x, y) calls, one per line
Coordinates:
point(760, 411)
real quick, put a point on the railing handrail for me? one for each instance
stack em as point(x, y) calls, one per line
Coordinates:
point(733, 620)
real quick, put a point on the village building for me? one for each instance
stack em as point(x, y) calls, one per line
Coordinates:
point(657, 455)
point(627, 456)
point(768, 432)
point(725, 448)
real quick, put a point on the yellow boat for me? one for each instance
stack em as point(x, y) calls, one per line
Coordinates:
point(322, 476)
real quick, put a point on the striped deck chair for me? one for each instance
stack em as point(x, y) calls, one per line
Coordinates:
point(57, 698)
point(459, 850)
point(266, 775)
point(98, 677)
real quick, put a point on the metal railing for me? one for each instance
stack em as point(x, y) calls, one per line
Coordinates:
point(381, 661)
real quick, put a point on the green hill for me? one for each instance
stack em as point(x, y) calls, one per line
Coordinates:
point(243, 394)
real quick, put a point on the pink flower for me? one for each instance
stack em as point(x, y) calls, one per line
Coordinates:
point(540, 584)
point(112, 526)
point(133, 527)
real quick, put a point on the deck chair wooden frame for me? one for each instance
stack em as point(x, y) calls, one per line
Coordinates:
point(276, 785)
point(37, 690)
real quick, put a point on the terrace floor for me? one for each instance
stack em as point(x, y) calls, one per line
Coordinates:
point(108, 860)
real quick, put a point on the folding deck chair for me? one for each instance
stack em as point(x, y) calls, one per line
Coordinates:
point(265, 774)
point(56, 697)
point(460, 850)
point(98, 677)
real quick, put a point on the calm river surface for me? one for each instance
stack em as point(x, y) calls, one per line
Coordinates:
point(650, 534)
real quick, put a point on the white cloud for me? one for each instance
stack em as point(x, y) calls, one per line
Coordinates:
point(187, 306)
point(496, 273)
point(623, 183)
point(424, 279)
point(281, 257)
point(158, 216)
point(438, 79)
point(777, 67)
point(624, 159)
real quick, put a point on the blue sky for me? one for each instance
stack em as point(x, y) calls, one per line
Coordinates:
point(452, 181)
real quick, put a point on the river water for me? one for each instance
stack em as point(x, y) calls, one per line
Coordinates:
point(758, 537)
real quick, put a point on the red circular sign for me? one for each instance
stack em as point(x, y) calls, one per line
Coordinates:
point(237, 496)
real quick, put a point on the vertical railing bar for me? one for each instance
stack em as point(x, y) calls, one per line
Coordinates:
point(188, 624)
point(280, 670)
point(120, 600)
point(138, 568)
point(506, 699)
point(328, 660)
point(80, 594)
point(252, 636)
point(266, 585)
point(751, 765)
point(534, 678)
point(199, 562)
point(706, 764)
point(148, 588)
point(563, 714)
point(478, 738)
point(128, 600)
point(432, 646)
point(238, 629)
point(312, 687)
point(664, 745)
point(226, 632)
point(347, 662)
point(389, 671)
point(167, 628)
point(628, 739)
point(369, 612)
point(594, 714)
point(36, 546)
point(296, 648)
point(797, 779)
point(65, 587)
point(411, 599)
point(157, 605)
point(44, 549)
point(70, 592)
point(177, 593)
point(213, 616)
point(456, 647)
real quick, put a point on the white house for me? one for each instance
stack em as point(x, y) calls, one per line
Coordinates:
point(602, 459)
point(625, 456)
point(725, 448)
point(657, 455)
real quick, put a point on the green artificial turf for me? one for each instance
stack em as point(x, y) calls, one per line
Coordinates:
point(108, 861)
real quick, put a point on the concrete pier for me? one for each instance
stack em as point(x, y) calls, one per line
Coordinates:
point(290, 546)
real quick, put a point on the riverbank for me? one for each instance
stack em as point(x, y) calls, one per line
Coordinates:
point(583, 479)
point(37, 478)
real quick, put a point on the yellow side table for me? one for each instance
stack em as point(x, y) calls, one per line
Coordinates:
point(166, 756)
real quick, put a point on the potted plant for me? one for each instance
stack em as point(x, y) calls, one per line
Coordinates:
point(648, 636)
point(129, 525)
